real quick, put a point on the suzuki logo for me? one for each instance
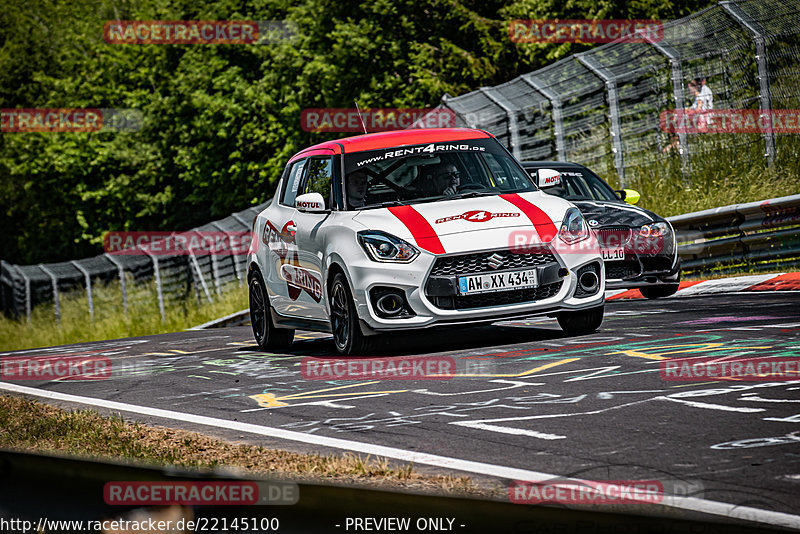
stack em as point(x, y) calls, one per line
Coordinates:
point(495, 260)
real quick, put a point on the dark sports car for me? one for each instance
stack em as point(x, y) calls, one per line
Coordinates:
point(638, 246)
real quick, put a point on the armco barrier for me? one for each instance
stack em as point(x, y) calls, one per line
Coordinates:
point(36, 487)
point(740, 234)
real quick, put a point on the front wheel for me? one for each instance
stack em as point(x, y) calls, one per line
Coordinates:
point(264, 331)
point(576, 323)
point(347, 335)
point(658, 292)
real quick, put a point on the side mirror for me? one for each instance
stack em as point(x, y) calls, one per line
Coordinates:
point(631, 196)
point(548, 178)
point(310, 202)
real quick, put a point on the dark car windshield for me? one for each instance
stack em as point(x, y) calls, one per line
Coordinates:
point(426, 173)
point(579, 184)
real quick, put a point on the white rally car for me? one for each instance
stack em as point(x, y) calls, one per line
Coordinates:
point(414, 229)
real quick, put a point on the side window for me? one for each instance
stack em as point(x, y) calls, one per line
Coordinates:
point(292, 182)
point(318, 178)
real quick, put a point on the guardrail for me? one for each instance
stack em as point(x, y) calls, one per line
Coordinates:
point(761, 235)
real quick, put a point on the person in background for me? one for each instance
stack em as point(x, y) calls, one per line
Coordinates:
point(694, 92)
point(705, 96)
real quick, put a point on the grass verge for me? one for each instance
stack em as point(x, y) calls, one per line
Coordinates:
point(31, 426)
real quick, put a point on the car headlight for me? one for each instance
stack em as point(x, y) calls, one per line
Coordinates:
point(574, 227)
point(386, 247)
point(657, 229)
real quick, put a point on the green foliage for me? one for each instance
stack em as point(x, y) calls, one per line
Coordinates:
point(220, 121)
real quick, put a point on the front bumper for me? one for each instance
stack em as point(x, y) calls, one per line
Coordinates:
point(431, 292)
point(645, 264)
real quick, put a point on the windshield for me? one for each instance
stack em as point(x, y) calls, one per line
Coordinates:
point(580, 184)
point(427, 173)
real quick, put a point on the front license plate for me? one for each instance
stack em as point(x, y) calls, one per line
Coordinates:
point(486, 283)
point(617, 253)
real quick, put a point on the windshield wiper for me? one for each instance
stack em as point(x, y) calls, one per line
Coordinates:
point(385, 204)
point(471, 194)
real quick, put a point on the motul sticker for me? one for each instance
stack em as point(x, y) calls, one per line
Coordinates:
point(476, 216)
point(307, 204)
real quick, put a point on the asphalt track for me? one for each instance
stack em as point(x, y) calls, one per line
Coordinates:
point(525, 399)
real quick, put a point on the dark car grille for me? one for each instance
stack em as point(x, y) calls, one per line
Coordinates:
point(479, 262)
point(500, 298)
point(622, 269)
point(657, 263)
point(613, 236)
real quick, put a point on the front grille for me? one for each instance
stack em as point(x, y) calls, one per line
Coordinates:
point(622, 269)
point(517, 296)
point(479, 262)
point(614, 236)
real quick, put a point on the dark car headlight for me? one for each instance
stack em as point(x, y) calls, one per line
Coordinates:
point(384, 247)
point(657, 229)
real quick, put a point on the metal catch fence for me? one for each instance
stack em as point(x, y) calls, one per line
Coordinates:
point(176, 277)
point(602, 107)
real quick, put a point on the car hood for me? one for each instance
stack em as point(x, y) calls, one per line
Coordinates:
point(471, 223)
point(614, 213)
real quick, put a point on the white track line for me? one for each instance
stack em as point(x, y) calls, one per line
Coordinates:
point(498, 471)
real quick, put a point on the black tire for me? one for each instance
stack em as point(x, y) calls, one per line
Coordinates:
point(658, 292)
point(264, 331)
point(347, 336)
point(576, 323)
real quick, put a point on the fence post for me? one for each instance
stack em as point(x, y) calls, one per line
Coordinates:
point(27, 293)
point(558, 120)
point(677, 94)
point(235, 256)
point(56, 300)
point(88, 287)
point(157, 276)
point(765, 96)
point(240, 273)
point(200, 275)
point(613, 109)
point(511, 112)
point(121, 271)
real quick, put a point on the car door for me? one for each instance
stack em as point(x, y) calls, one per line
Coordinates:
point(278, 238)
point(306, 273)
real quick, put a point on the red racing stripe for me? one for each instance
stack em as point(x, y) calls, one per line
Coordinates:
point(423, 232)
point(544, 226)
